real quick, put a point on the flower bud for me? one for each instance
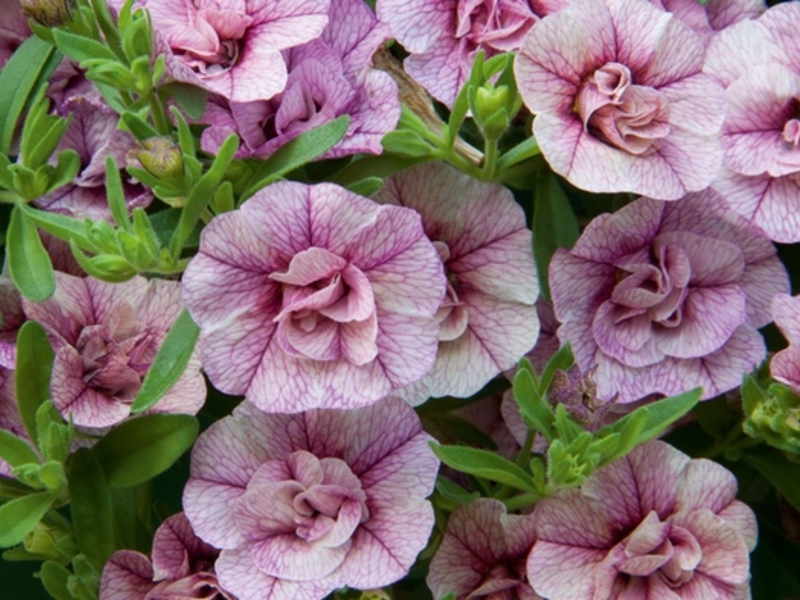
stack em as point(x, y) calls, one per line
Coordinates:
point(161, 158)
point(50, 13)
point(490, 99)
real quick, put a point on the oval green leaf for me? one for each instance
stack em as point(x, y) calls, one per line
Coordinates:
point(34, 364)
point(28, 261)
point(19, 517)
point(485, 464)
point(16, 451)
point(138, 450)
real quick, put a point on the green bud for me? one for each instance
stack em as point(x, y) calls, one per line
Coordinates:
point(490, 99)
point(161, 158)
point(47, 540)
point(50, 13)
point(775, 418)
point(111, 267)
point(102, 234)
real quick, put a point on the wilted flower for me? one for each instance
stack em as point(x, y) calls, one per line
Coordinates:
point(662, 297)
point(234, 48)
point(620, 102)
point(443, 36)
point(483, 554)
point(759, 63)
point(302, 504)
point(94, 135)
point(50, 13)
point(182, 567)
point(328, 77)
point(312, 296)
point(105, 337)
point(487, 320)
point(654, 524)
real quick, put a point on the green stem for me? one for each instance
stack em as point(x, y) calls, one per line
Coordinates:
point(160, 118)
point(489, 160)
point(525, 454)
point(734, 440)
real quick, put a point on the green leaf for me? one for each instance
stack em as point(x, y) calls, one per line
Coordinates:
point(27, 69)
point(554, 225)
point(140, 129)
point(484, 464)
point(366, 187)
point(190, 98)
point(660, 415)
point(568, 430)
point(15, 451)
point(303, 149)
point(522, 151)
point(32, 377)
point(63, 227)
point(116, 195)
point(533, 407)
point(202, 194)
point(28, 261)
point(139, 449)
point(79, 48)
point(406, 143)
point(169, 363)
point(67, 166)
point(54, 578)
point(19, 517)
point(561, 361)
point(782, 473)
point(90, 505)
point(454, 492)
point(752, 394)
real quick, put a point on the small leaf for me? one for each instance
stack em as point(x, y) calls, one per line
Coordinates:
point(169, 363)
point(32, 377)
point(190, 98)
point(454, 492)
point(139, 449)
point(783, 474)
point(366, 187)
point(522, 151)
point(63, 227)
point(484, 464)
point(140, 129)
point(27, 69)
point(90, 505)
point(54, 578)
point(561, 361)
point(554, 225)
point(28, 261)
point(19, 517)
point(15, 451)
point(406, 143)
point(533, 407)
point(79, 48)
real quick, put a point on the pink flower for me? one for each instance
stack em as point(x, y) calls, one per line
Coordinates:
point(182, 567)
point(443, 36)
point(487, 320)
point(302, 504)
point(105, 337)
point(234, 47)
point(620, 102)
point(662, 297)
point(13, 29)
point(655, 524)
point(94, 135)
point(785, 365)
point(711, 17)
point(312, 296)
point(483, 554)
point(759, 63)
point(328, 77)
point(11, 319)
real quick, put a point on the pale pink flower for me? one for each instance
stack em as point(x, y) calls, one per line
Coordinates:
point(312, 296)
point(654, 524)
point(662, 297)
point(328, 77)
point(483, 554)
point(105, 337)
point(487, 320)
point(620, 102)
point(182, 567)
point(711, 17)
point(94, 135)
point(302, 504)
point(233, 47)
point(759, 63)
point(12, 318)
point(443, 36)
point(785, 365)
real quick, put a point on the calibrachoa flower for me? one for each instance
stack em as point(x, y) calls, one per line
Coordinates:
point(328, 77)
point(302, 504)
point(94, 135)
point(182, 567)
point(620, 102)
point(785, 365)
point(312, 296)
point(443, 36)
point(234, 47)
point(759, 63)
point(655, 524)
point(706, 19)
point(10, 322)
point(483, 554)
point(105, 336)
point(13, 29)
point(661, 297)
point(487, 320)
